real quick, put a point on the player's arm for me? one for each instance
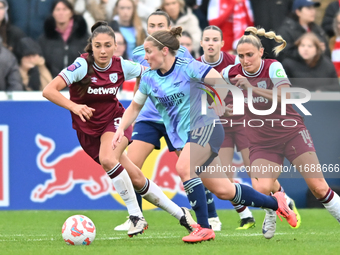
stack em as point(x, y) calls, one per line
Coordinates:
point(129, 116)
point(67, 77)
point(136, 85)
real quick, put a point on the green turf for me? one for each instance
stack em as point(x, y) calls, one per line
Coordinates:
point(39, 232)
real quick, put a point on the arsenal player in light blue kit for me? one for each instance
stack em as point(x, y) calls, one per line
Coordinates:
point(175, 87)
point(93, 80)
point(271, 141)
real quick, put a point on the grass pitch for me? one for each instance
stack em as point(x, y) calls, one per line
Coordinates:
point(39, 232)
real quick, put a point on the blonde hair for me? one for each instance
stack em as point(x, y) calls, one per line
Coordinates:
point(181, 5)
point(251, 36)
point(135, 21)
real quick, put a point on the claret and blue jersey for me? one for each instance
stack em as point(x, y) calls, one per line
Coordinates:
point(177, 97)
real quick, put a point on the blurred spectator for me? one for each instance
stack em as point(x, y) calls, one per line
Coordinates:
point(334, 44)
point(180, 15)
point(199, 8)
point(65, 37)
point(186, 41)
point(328, 18)
point(301, 21)
point(315, 70)
point(34, 73)
point(232, 17)
point(29, 15)
point(125, 13)
point(121, 46)
point(276, 12)
point(10, 34)
point(10, 79)
point(95, 11)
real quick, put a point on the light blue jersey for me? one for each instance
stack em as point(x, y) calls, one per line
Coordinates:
point(177, 97)
point(149, 112)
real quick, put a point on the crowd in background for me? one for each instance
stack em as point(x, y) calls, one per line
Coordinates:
point(41, 37)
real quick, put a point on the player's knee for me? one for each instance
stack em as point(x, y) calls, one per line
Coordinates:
point(183, 171)
point(222, 193)
point(108, 163)
point(262, 188)
point(320, 189)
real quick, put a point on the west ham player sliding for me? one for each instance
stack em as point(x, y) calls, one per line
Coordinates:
point(235, 135)
point(93, 80)
point(189, 130)
point(270, 143)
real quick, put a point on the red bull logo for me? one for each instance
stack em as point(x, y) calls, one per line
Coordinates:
point(4, 183)
point(66, 171)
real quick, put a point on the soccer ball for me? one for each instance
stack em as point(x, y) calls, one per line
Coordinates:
point(78, 230)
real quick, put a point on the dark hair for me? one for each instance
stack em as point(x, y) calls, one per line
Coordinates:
point(213, 28)
point(166, 38)
point(100, 27)
point(159, 12)
point(66, 3)
point(187, 34)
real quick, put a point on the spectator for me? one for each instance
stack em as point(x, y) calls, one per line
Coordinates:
point(121, 46)
point(301, 21)
point(334, 44)
point(65, 37)
point(313, 69)
point(180, 15)
point(232, 17)
point(9, 33)
point(95, 11)
point(186, 41)
point(34, 73)
point(10, 79)
point(29, 15)
point(199, 8)
point(327, 21)
point(276, 12)
point(125, 13)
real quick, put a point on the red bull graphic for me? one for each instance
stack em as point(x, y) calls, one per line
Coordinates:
point(68, 170)
point(4, 183)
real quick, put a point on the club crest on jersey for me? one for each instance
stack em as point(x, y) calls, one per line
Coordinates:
point(262, 84)
point(73, 67)
point(113, 77)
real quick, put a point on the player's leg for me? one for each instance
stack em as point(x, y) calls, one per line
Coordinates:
point(109, 160)
point(317, 184)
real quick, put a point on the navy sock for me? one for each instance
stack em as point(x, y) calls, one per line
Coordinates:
point(246, 195)
point(139, 200)
point(211, 204)
point(196, 195)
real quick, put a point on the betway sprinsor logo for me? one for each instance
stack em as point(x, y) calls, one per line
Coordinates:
point(238, 101)
point(102, 91)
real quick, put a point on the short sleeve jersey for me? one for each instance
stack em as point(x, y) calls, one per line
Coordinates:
point(270, 75)
point(177, 97)
point(101, 93)
point(149, 112)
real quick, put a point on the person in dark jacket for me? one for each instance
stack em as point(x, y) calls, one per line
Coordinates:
point(9, 33)
point(311, 69)
point(29, 15)
point(300, 22)
point(10, 79)
point(327, 21)
point(65, 37)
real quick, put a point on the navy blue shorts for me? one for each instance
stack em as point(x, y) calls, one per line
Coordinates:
point(151, 132)
point(208, 134)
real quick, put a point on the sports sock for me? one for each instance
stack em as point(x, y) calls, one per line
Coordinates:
point(153, 194)
point(195, 192)
point(332, 203)
point(211, 204)
point(246, 195)
point(243, 211)
point(123, 185)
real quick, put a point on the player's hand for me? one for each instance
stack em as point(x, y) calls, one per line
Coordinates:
point(241, 82)
point(228, 111)
point(117, 138)
point(218, 108)
point(83, 111)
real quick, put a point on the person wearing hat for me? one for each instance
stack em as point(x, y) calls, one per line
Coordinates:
point(301, 20)
point(9, 33)
point(35, 75)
